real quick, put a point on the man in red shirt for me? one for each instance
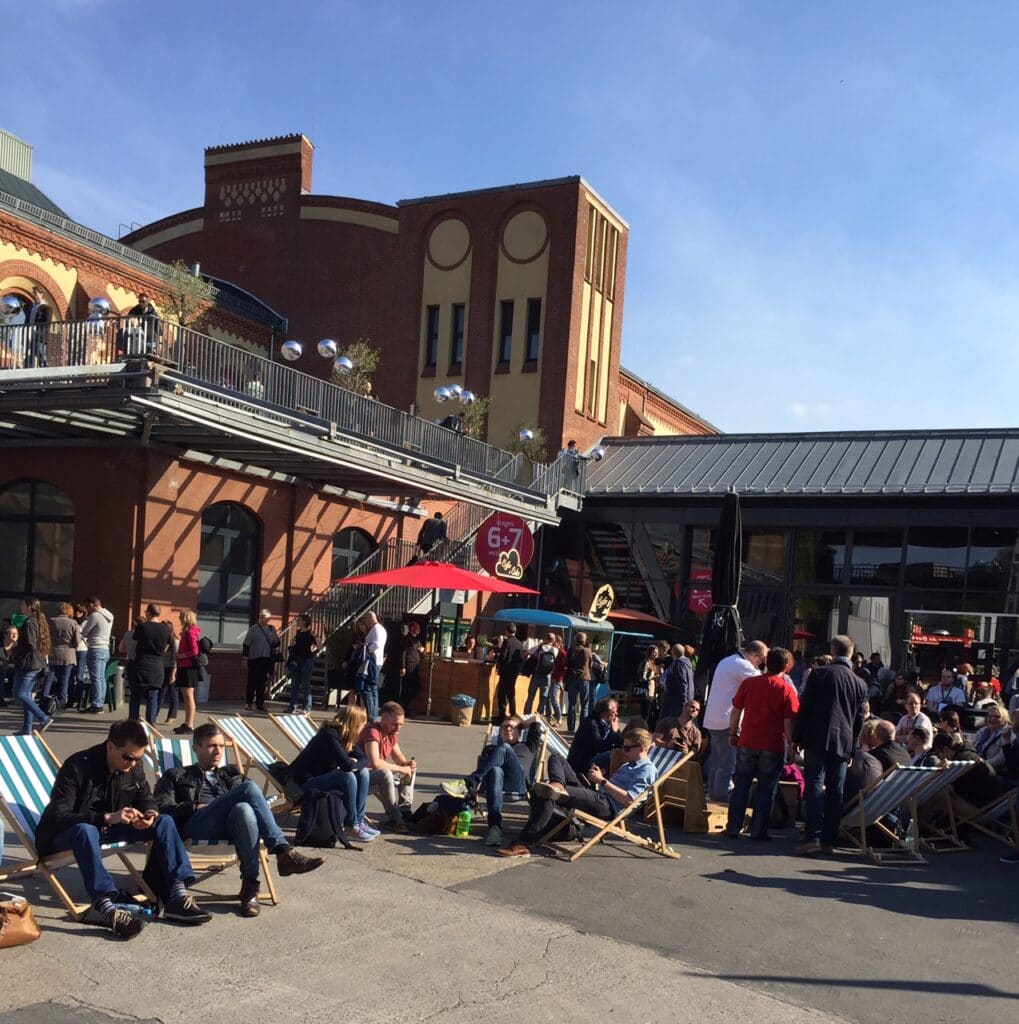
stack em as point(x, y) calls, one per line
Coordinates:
point(767, 706)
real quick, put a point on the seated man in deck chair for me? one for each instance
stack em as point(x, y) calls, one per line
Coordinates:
point(605, 800)
point(101, 796)
point(503, 770)
point(213, 801)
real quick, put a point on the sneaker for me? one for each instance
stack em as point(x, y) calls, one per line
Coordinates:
point(516, 850)
point(291, 711)
point(457, 789)
point(290, 862)
point(183, 730)
point(248, 896)
point(248, 707)
point(186, 911)
point(808, 849)
point(124, 925)
point(363, 826)
point(364, 834)
point(46, 724)
point(1010, 858)
point(494, 837)
point(551, 791)
point(95, 711)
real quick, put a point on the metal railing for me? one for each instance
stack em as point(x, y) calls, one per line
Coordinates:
point(232, 369)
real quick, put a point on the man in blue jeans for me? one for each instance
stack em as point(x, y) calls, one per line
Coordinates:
point(96, 631)
point(213, 801)
point(503, 770)
point(761, 727)
point(101, 796)
point(828, 728)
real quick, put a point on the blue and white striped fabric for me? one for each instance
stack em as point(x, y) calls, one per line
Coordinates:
point(27, 775)
point(889, 792)
point(664, 759)
point(171, 753)
point(297, 728)
point(247, 740)
point(945, 777)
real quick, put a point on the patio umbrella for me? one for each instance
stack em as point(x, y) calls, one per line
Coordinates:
point(427, 575)
point(723, 633)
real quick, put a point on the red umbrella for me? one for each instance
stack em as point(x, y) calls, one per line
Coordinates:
point(438, 576)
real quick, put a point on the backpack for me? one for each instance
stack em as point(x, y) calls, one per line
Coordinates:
point(437, 818)
point(321, 823)
point(546, 662)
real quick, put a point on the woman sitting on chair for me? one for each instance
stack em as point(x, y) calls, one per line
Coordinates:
point(332, 761)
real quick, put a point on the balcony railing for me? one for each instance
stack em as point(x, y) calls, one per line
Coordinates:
point(233, 370)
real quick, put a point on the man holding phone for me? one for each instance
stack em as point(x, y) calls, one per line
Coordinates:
point(101, 796)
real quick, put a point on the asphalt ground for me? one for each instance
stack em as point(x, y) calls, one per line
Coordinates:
point(440, 929)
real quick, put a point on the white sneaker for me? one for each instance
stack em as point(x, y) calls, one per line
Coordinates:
point(494, 837)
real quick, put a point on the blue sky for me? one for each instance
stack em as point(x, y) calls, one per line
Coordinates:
point(822, 198)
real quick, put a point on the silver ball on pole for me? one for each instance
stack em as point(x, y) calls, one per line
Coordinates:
point(343, 365)
point(327, 348)
point(441, 394)
point(291, 350)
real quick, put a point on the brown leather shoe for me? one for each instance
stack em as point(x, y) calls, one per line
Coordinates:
point(248, 896)
point(515, 850)
point(290, 862)
point(811, 848)
point(399, 826)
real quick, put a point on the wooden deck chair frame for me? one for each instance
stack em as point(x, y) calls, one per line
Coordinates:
point(987, 820)
point(941, 838)
point(48, 866)
point(285, 725)
point(551, 742)
point(281, 804)
point(898, 786)
point(168, 754)
point(617, 825)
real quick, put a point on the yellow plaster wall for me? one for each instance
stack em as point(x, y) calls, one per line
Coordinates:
point(515, 395)
point(65, 276)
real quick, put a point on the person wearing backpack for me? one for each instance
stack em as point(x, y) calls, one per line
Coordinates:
point(544, 659)
point(578, 682)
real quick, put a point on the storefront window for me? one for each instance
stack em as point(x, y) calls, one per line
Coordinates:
point(763, 556)
point(760, 610)
point(820, 556)
point(936, 558)
point(877, 555)
point(815, 622)
point(991, 558)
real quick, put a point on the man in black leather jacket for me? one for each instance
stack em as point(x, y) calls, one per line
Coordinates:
point(210, 800)
point(101, 796)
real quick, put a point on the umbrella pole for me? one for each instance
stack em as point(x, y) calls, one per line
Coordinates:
point(431, 660)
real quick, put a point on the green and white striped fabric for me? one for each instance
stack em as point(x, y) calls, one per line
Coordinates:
point(299, 728)
point(243, 735)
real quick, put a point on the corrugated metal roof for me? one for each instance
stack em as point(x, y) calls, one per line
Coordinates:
point(854, 463)
point(29, 193)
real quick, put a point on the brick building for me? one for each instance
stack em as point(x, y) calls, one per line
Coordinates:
point(515, 293)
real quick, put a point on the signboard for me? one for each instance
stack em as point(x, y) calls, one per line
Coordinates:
point(604, 599)
point(504, 545)
point(699, 597)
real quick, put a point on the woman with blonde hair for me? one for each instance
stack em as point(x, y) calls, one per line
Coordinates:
point(187, 668)
point(29, 659)
point(333, 761)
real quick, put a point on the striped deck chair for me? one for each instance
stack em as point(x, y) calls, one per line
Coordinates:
point(252, 751)
point(175, 753)
point(28, 771)
point(298, 728)
point(668, 762)
point(149, 759)
point(998, 819)
point(551, 743)
point(897, 787)
point(933, 836)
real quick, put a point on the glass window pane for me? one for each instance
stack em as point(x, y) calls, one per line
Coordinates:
point(936, 557)
point(51, 502)
point(820, 556)
point(702, 552)
point(14, 564)
point(815, 622)
point(350, 547)
point(763, 556)
point(16, 499)
point(877, 555)
point(991, 557)
point(760, 611)
point(870, 625)
point(53, 558)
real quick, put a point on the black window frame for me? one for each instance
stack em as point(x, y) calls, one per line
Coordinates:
point(532, 334)
point(457, 325)
point(431, 352)
point(208, 611)
point(506, 313)
point(373, 546)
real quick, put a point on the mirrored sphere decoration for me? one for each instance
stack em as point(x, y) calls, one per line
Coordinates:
point(291, 351)
point(598, 454)
point(99, 306)
point(441, 394)
point(466, 397)
point(11, 304)
point(343, 365)
point(455, 390)
point(526, 434)
point(327, 348)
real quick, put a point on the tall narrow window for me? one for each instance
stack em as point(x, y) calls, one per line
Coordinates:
point(456, 338)
point(592, 387)
point(227, 572)
point(431, 337)
point(533, 330)
point(505, 331)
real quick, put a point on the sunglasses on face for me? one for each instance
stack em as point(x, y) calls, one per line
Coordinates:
point(631, 746)
point(129, 758)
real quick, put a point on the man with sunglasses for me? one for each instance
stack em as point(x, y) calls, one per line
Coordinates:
point(101, 796)
point(605, 800)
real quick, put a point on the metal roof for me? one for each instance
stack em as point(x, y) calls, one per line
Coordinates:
point(858, 463)
point(24, 190)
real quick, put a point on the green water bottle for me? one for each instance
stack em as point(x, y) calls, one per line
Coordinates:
point(463, 823)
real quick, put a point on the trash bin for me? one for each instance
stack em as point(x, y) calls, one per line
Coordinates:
point(203, 687)
point(461, 710)
point(115, 684)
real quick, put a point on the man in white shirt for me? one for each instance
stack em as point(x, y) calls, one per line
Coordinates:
point(371, 669)
point(947, 693)
point(725, 682)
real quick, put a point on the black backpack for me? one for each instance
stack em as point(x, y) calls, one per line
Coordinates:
point(321, 823)
point(546, 662)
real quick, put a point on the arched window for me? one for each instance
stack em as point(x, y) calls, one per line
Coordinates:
point(228, 572)
point(350, 547)
point(37, 526)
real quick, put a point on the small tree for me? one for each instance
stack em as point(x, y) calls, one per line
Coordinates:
point(188, 296)
point(476, 418)
point(536, 449)
point(365, 358)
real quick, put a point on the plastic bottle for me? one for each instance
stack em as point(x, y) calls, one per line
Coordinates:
point(463, 823)
point(911, 835)
point(138, 910)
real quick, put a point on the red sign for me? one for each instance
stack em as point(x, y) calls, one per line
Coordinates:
point(504, 545)
point(699, 598)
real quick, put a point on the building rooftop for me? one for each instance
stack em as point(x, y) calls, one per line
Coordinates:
point(21, 188)
point(850, 463)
